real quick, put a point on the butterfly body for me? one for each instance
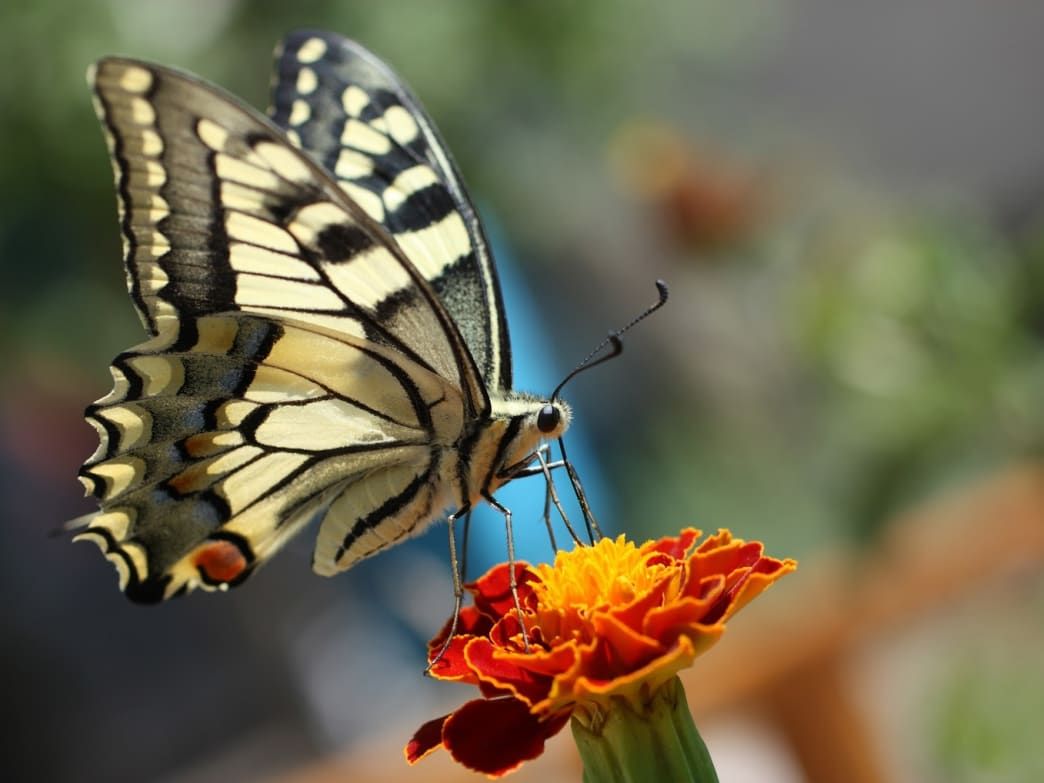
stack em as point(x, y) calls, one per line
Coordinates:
point(327, 336)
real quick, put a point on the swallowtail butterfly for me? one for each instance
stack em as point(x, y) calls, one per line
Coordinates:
point(327, 339)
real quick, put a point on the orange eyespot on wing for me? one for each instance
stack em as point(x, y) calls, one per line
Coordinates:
point(220, 562)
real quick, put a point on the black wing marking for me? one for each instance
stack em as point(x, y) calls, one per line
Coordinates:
point(349, 110)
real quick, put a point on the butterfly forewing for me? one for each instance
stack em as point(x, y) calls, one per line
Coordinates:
point(220, 213)
point(344, 106)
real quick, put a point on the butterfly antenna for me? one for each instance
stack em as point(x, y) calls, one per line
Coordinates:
point(613, 340)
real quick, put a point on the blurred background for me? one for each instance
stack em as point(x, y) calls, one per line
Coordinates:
point(847, 200)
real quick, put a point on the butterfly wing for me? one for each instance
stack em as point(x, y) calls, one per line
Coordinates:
point(219, 213)
point(246, 261)
point(343, 105)
point(222, 438)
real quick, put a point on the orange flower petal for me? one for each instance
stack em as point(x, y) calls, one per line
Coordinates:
point(728, 558)
point(676, 547)
point(707, 589)
point(722, 538)
point(668, 622)
point(551, 662)
point(767, 571)
point(633, 613)
point(636, 684)
point(627, 648)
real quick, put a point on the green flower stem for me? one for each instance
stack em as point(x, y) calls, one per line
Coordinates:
point(655, 742)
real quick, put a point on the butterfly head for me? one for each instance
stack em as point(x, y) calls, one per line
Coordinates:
point(539, 418)
point(521, 423)
point(552, 419)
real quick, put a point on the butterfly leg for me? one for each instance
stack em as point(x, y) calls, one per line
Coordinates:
point(458, 565)
point(544, 468)
point(524, 467)
point(594, 532)
point(551, 497)
point(512, 576)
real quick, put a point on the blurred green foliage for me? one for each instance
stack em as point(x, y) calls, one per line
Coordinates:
point(983, 723)
point(894, 352)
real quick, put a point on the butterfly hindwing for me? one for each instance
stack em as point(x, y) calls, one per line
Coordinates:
point(358, 119)
point(221, 440)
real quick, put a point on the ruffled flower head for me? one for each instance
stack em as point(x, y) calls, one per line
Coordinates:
point(608, 621)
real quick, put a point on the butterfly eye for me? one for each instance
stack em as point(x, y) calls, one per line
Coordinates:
point(548, 418)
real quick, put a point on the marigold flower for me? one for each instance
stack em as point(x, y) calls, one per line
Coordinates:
point(606, 622)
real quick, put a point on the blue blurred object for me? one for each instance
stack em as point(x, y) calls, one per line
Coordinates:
point(537, 370)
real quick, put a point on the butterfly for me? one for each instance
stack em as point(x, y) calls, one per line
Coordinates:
point(327, 339)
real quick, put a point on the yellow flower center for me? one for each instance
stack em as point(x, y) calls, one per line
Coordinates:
point(591, 578)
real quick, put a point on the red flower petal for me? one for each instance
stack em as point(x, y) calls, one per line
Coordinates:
point(492, 590)
point(676, 547)
point(727, 559)
point(493, 669)
point(706, 592)
point(452, 665)
point(548, 662)
point(496, 736)
point(428, 738)
point(470, 621)
point(507, 631)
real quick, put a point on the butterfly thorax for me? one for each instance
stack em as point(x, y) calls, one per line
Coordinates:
point(500, 446)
